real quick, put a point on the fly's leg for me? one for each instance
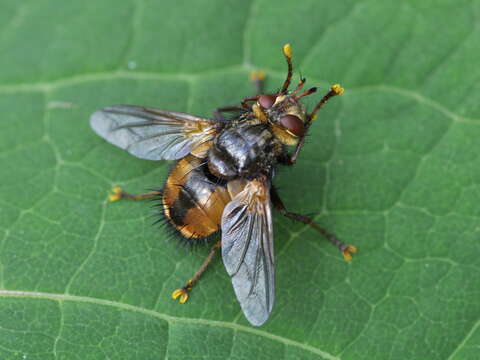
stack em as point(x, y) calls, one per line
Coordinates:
point(258, 79)
point(118, 193)
point(245, 101)
point(287, 52)
point(334, 90)
point(182, 293)
point(346, 250)
point(218, 112)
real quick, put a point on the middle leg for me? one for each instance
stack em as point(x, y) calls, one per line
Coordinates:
point(258, 79)
point(218, 112)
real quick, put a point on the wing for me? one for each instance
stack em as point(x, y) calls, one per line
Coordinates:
point(247, 250)
point(152, 134)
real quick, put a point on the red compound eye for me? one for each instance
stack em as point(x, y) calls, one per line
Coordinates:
point(293, 124)
point(267, 101)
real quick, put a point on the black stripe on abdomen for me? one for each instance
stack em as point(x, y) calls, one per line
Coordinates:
point(184, 202)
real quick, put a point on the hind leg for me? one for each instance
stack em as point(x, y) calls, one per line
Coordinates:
point(346, 250)
point(182, 293)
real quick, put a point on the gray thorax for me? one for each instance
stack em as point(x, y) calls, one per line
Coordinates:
point(243, 151)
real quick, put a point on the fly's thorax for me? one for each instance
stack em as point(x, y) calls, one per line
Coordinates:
point(244, 150)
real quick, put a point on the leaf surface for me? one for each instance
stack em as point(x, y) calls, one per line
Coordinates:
point(392, 166)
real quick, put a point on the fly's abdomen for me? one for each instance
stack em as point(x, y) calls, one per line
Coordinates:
point(193, 201)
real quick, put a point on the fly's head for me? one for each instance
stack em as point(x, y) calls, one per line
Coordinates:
point(284, 111)
point(285, 114)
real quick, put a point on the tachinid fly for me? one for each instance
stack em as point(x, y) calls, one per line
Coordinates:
point(222, 179)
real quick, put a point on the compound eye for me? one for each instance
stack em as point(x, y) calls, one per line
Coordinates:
point(293, 124)
point(267, 101)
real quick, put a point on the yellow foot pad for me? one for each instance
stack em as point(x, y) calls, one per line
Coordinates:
point(257, 76)
point(116, 194)
point(182, 293)
point(347, 253)
point(287, 50)
point(337, 89)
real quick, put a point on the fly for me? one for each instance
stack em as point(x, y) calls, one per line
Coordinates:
point(222, 178)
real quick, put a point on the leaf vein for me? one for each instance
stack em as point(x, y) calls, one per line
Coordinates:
point(168, 318)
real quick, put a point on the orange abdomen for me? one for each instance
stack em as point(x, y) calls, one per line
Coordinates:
point(193, 201)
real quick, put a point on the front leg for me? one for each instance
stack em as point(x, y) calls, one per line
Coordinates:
point(291, 159)
point(334, 91)
point(346, 250)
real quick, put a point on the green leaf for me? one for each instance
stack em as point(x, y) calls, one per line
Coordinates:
point(392, 166)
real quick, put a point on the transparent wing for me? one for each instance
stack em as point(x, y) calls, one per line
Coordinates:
point(151, 133)
point(247, 250)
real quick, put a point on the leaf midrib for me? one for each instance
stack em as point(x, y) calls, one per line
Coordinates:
point(168, 318)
